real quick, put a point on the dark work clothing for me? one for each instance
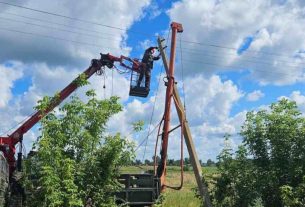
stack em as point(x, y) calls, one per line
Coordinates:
point(148, 63)
point(148, 58)
point(147, 72)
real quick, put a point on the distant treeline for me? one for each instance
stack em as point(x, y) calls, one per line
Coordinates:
point(173, 162)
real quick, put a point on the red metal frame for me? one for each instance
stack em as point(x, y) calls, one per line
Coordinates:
point(136, 64)
point(8, 144)
point(176, 27)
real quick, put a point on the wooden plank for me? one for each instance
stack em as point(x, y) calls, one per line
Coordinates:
point(203, 190)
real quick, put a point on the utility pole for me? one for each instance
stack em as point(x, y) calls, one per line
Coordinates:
point(203, 190)
point(161, 172)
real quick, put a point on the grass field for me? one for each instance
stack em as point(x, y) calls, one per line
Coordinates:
point(184, 197)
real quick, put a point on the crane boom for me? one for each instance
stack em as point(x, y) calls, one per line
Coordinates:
point(8, 144)
point(39, 114)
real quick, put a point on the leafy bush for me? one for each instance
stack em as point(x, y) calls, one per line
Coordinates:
point(269, 165)
point(76, 159)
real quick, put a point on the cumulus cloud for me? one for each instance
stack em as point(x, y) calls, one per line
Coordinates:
point(154, 10)
point(275, 28)
point(10, 72)
point(298, 97)
point(255, 95)
point(52, 64)
point(210, 98)
point(209, 102)
point(35, 48)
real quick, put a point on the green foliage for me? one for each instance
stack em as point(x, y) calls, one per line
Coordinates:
point(76, 159)
point(81, 80)
point(138, 126)
point(293, 196)
point(268, 168)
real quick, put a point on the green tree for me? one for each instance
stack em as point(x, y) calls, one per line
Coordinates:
point(269, 166)
point(210, 163)
point(224, 188)
point(76, 159)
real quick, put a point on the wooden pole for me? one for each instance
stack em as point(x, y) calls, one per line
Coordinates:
point(203, 190)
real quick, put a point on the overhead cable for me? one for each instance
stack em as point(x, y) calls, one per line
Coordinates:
point(71, 18)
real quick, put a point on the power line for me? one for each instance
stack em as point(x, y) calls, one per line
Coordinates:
point(57, 38)
point(250, 61)
point(143, 141)
point(72, 18)
point(59, 29)
point(16, 125)
point(133, 31)
point(203, 52)
point(232, 48)
point(234, 68)
point(60, 24)
point(182, 74)
point(100, 46)
point(154, 105)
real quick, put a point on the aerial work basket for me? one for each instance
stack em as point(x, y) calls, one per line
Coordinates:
point(136, 90)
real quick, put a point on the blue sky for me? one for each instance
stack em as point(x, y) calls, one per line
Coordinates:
point(236, 57)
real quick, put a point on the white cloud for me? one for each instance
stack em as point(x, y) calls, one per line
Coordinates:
point(255, 95)
point(208, 104)
point(261, 39)
point(8, 74)
point(276, 28)
point(210, 98)
point(153, 10)
point(298, 98)
point(53, 64)
point(29, 48)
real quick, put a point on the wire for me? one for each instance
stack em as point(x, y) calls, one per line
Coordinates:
point(142, 142)
point(231, 52)
point(72, 18)
point(56, 23)
point(57, 38)
point(100, 46)
point(182, 75)
point(255, 62)
point(16, 125)
point(233, 48)
point(104, 86)
point(153, 110)
point(232, 68)
point(133, 31)
point(64, 30)
point(152, 113)
point(204, 53)
point(186, 41)
point(111, 82)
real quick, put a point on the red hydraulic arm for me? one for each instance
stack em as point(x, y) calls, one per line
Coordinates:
point(161, 171)
point(8, 144)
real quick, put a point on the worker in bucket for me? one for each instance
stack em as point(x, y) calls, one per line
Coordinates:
point(148, 61)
